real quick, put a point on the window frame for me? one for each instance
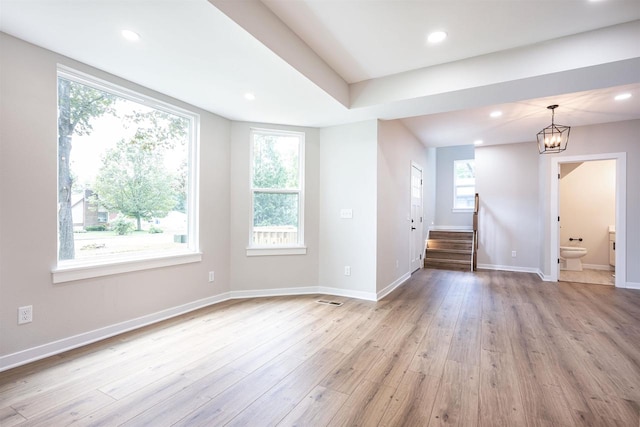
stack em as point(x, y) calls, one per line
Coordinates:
point(291, 249)
point(456, 186)
point(70, 270)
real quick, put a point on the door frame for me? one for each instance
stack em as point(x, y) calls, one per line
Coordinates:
point(621, 212)
point(420, 224)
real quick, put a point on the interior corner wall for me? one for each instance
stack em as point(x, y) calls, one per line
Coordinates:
point(429, 189)
point(348, 181)
point(397, 149)
point(28, 190)
point(507, 183)
point(269, 273)
point(615, 137)
point(444, 215)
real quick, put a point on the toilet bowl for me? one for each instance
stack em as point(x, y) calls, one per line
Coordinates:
point(571, 256)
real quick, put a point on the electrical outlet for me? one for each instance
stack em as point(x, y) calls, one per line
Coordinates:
point(346, 213)
point(347, 270)
point(25, 314)
point(513, 254)
point(211, 276)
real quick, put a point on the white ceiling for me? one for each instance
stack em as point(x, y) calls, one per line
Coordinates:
point(363, 39)
point(327, 62)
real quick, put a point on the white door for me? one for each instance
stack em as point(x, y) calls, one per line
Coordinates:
point(417, 246)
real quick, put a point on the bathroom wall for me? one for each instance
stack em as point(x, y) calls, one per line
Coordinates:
point(587, 208)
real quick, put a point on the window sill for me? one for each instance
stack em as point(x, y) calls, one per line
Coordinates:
point(469, 210)
point(293, 250)
point(83, 270)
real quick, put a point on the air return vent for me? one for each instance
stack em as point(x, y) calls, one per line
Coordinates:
point(321, 301)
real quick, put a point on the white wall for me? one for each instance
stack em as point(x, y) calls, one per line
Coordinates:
point(348, 181)
point(444, 215)
point(617, 137)
point(271, 272)
point(429, 188)
point(28, 144)
point(397, 148)
point(588, 207)
point(358, 166)
point(507, 183)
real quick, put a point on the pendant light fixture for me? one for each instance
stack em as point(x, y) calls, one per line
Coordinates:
point(553, 138)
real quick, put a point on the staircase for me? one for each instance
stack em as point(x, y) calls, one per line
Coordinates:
point(450, 250)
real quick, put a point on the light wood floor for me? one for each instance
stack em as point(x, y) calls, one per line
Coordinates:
point(455, 348)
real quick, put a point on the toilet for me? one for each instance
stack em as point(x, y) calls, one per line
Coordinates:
point(571, 256)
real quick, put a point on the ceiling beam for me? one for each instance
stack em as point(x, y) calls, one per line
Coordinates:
point(266, 27)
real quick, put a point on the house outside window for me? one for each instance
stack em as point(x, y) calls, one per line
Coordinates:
point(464, 185)
point(127, 175)
point(277, 193)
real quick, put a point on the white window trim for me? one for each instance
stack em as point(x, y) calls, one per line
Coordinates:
point(454, 209)
point(277, 251)
point(79, 270)
point(70, 270)
point(296, 249)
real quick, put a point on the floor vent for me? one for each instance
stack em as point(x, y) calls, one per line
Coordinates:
point(337, 304)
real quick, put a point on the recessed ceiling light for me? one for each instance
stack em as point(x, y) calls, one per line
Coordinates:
point(436, 37)
point(495, 114)
point(132, 36)
point(478, 142)
point(622, 96)
point(249, 96)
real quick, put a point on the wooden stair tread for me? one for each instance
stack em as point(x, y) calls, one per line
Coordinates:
point(449, 240)
point(438, 256)
point(454, 235)
point(450, 250)
point(453, 245)
point(450, 261)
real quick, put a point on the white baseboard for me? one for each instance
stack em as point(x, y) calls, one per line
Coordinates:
point(605, 267)
point(60, 346)
point(307, 290)
point(369, 296)
point(511, 268)
point(390, 288)
point(277, 292)
point(544, 277)
point(633, 285)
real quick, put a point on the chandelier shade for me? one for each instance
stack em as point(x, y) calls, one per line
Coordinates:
point(554, 138)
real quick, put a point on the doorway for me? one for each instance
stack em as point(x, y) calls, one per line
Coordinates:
point(620, 212)
point(417, 246)
point(587, 221)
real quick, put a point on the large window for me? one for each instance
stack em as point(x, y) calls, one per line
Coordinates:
point(277, 191)
point(126, 175)
point(464, 185)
